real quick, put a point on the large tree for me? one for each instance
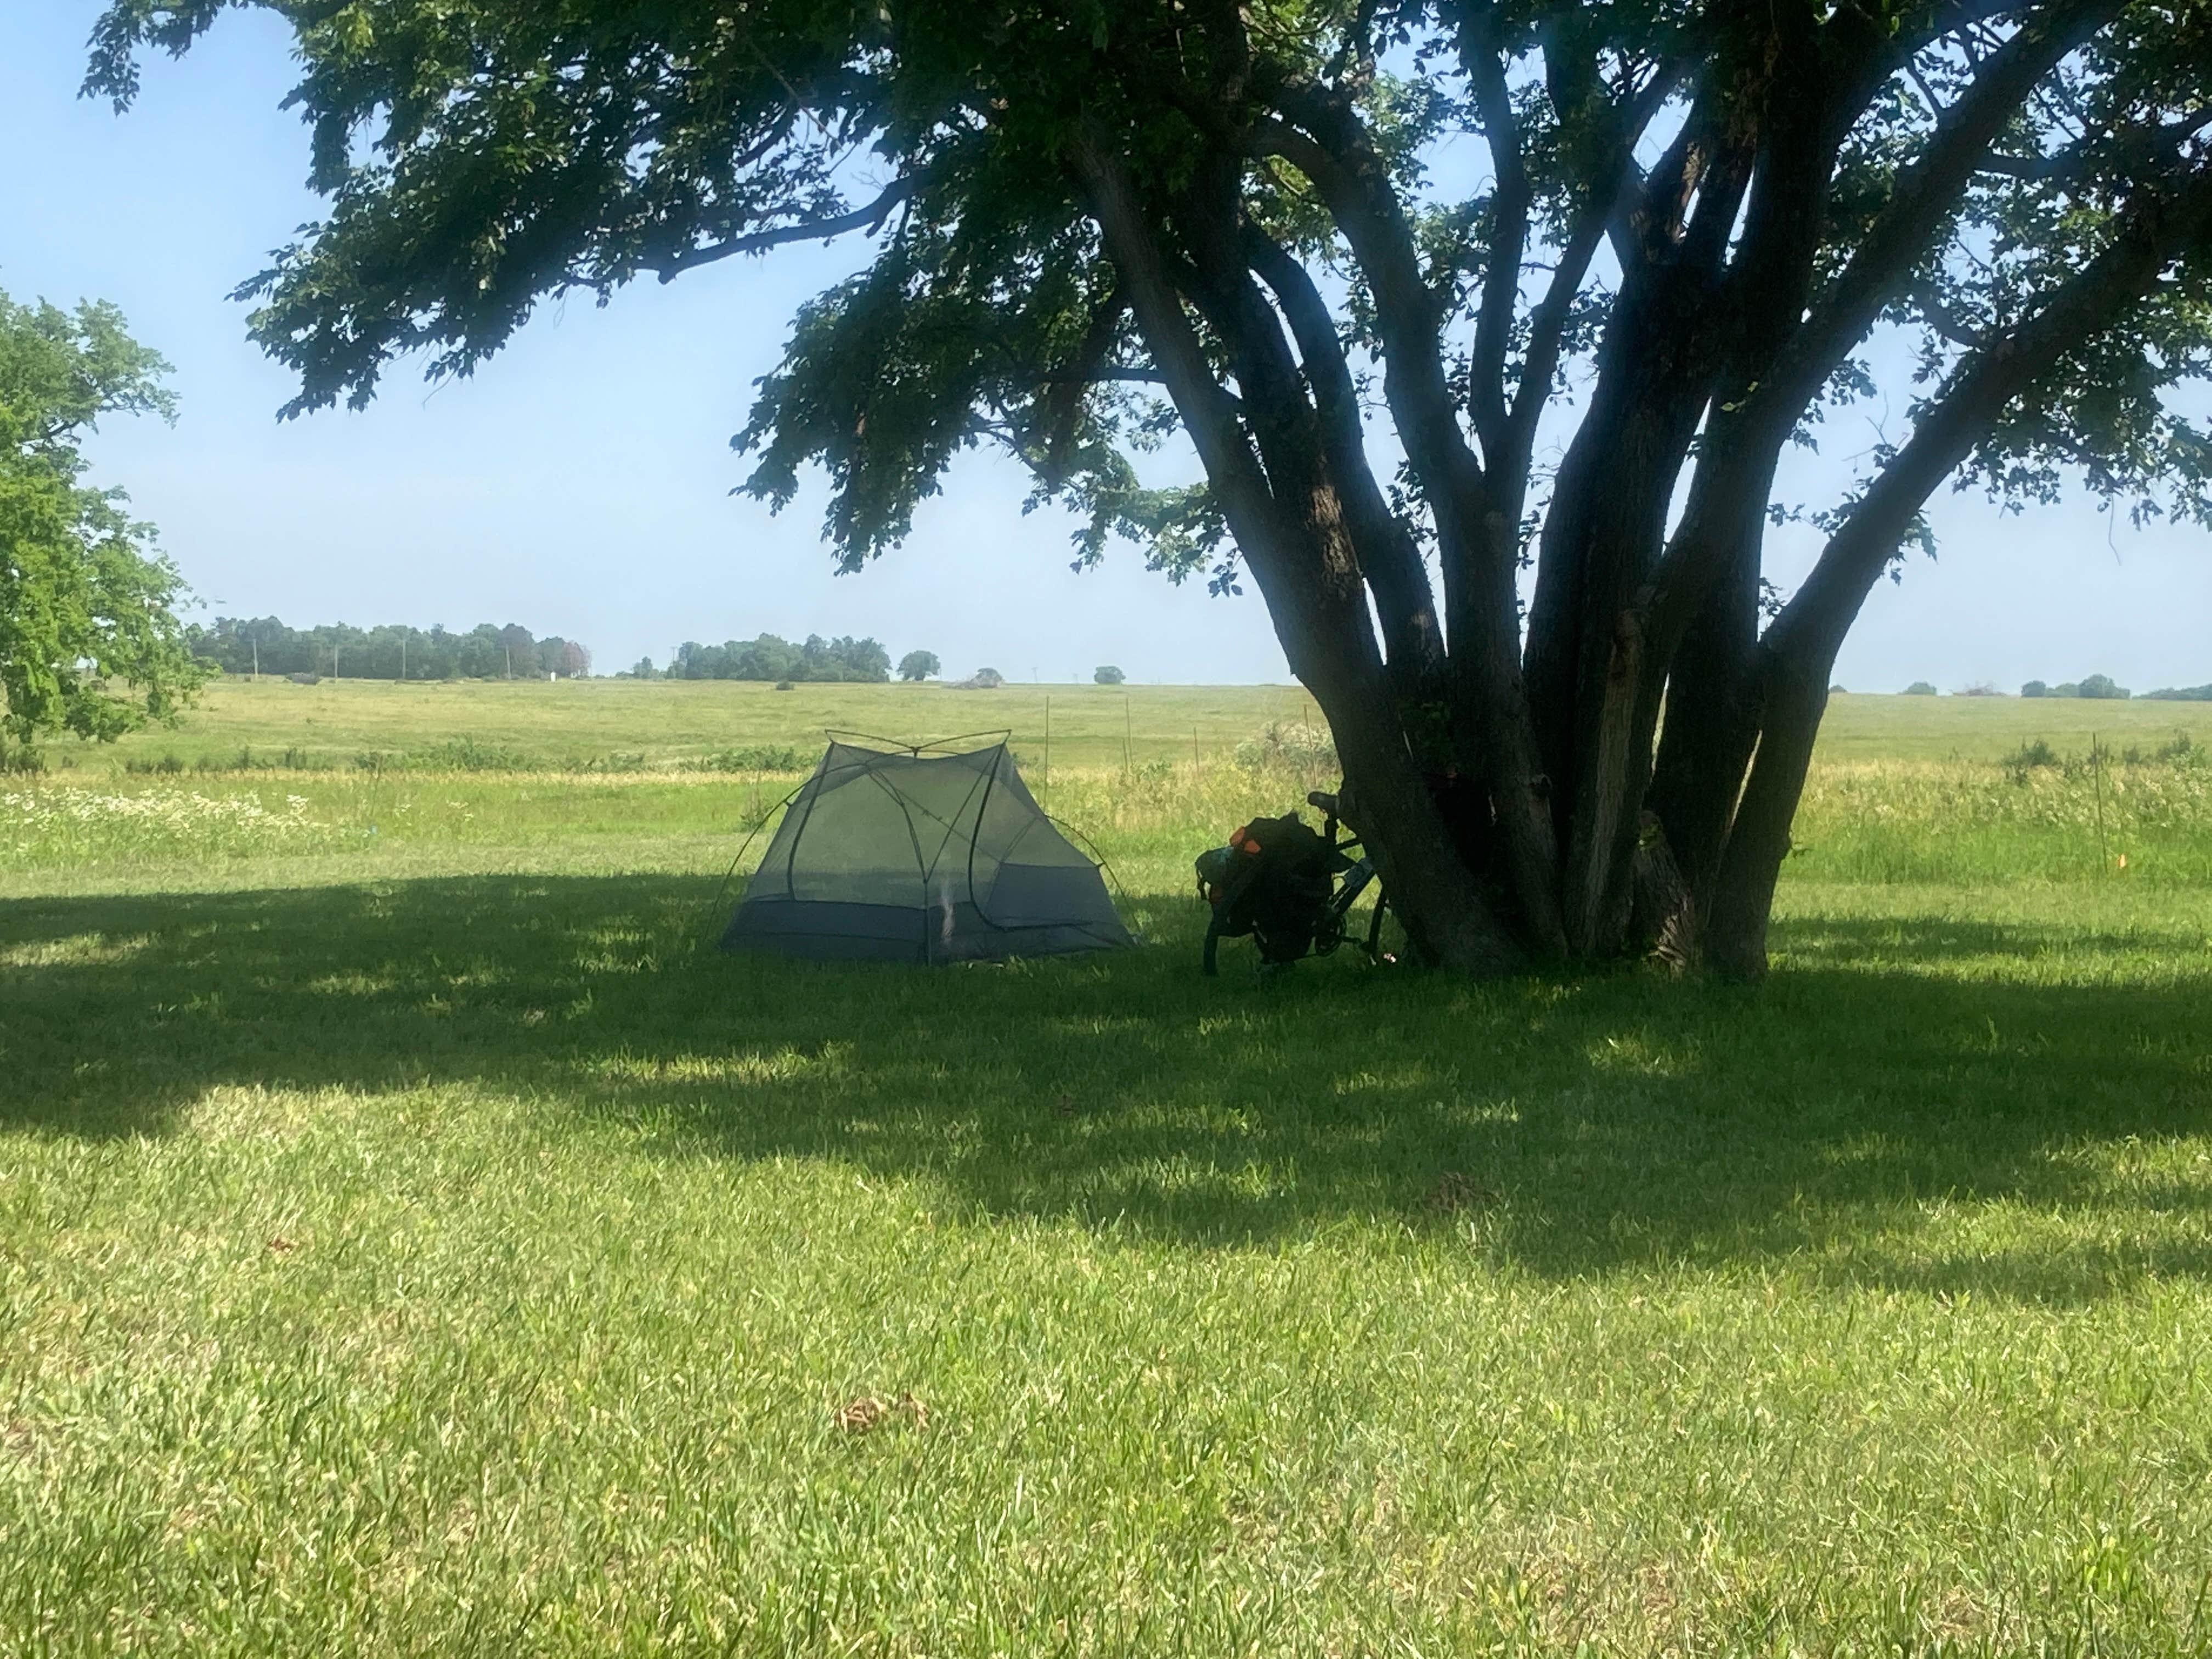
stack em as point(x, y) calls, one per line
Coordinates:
point(1091, 221)
point(89, 640)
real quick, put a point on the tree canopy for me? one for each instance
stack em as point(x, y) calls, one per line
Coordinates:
point(917, 666)
point(85, 600)
point(1695, 230)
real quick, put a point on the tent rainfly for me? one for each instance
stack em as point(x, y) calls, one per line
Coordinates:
point(916, 856)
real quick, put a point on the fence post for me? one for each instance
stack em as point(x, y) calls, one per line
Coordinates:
point(2097, 786)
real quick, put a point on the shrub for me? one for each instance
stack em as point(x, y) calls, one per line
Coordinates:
point(1109, 675)
point(2027, 758)
point(1920, 688)
point(293, 759)
point(1292, 744)
point(917, 666)
point(467, 755)
point(767, 757)
point(785, 685)
point(2035, 689)
point(1979, 689)
point(619, 760)
point(2182, 694)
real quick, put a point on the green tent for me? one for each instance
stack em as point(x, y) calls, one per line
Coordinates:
point(911, 855)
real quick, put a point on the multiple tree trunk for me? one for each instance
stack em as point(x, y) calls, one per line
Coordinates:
point(1514, 786)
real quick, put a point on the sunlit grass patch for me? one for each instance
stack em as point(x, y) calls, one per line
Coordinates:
point(81, 949)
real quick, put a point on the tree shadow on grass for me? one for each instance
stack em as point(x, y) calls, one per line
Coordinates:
point(1885, 942)
point(1569, 1127)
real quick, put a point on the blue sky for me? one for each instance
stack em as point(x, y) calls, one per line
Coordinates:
point(579, 484)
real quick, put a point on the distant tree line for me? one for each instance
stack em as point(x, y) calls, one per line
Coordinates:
point(240, 644)
point(2102, 686)
point(769, 657)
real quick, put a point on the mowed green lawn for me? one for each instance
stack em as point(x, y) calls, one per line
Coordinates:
point(411, 1241)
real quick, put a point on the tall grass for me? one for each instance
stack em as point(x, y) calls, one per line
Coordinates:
point(2051, 819)
point(1980, 824)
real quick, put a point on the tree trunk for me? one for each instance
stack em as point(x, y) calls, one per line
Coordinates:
point(1601, 829)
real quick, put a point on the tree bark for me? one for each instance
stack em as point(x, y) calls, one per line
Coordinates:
point(1290, 531)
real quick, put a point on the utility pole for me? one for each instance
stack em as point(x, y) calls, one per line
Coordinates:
point(510, 662)
point(256, 660)
point(334, 662)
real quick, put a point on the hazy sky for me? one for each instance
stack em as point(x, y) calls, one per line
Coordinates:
point(579, 484)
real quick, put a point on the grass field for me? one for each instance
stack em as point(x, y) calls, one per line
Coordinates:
point(412, 1242)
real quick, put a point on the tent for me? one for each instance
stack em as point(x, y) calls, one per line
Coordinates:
point(916, 855)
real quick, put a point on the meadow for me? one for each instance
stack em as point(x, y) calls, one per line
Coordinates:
point(414, 1240)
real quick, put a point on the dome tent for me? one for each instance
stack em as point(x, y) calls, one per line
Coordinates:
point(921, 854)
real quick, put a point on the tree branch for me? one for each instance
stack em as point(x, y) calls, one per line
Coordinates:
point(1925, 194)
point(1354, 183)
point(1508, 468)
point(1480, 54)
point(1412, 636)
point(1208, 412)
point(869, 218)
point(1798, 652)
point(2153, 229)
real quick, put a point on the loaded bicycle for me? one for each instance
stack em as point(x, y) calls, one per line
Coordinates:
point(1290, 888)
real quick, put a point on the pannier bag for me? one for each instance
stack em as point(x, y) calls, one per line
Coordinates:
point(1273, 881)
